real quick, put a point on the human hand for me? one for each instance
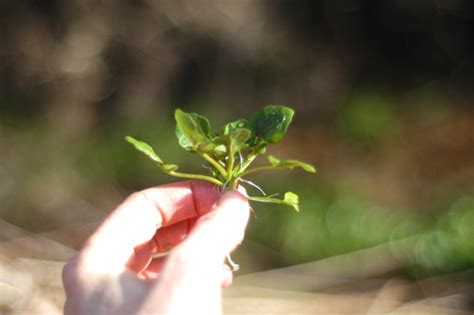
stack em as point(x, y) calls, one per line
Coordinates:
point(114, 273)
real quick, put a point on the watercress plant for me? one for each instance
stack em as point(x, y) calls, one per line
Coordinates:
point(230, 151)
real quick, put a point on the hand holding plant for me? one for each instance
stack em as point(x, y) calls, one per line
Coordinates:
point(114, 272)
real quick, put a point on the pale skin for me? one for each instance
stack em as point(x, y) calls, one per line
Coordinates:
point(114, 273)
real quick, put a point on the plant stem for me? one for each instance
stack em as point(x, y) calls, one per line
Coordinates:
point(267, 199)
point(234, 183)
point(215, 164)
point(230, 160)
point(261, 168)
point(196, 176)
point(248, 160)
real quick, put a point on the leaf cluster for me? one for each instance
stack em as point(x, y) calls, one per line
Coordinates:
point(230, 151)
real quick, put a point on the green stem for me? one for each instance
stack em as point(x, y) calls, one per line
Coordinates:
point(215, 164)
point(196, 176)
point(230, 161)
point(267, 199)
point(234, 183)
point(247, 162)
point(261, 168)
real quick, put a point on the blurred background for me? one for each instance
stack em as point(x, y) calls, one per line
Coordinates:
point(382, 92)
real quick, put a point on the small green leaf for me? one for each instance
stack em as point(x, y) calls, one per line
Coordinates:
point(240, 135)
point(273, 160)
point(206, 147)
point(191, 129)
point(236, 138)
point(291, 164)
point(144, 148)
point(220, 150)
point(292, 200)
point(270, 123)
point(169, 167)
point(239, 123)
point(261, 148)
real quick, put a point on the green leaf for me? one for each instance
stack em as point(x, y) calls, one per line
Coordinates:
point(206, 147)
point(270, 123)
point(261, 148)
point(292, 199)
point(291, 164)
point(236, 138)
point(220, 150)
point(191, 129)
point(169, 167)
point(239, 123)
point(240, 135)
point(144, 148)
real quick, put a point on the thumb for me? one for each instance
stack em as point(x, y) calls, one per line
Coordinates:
point(192, 272)
point(218, 232)
point(214, 235)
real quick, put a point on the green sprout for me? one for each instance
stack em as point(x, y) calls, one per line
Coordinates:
point(230, 152)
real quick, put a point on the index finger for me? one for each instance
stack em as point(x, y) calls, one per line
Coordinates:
point(136, 220)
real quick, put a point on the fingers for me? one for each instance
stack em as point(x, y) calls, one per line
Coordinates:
point(195, 263)
point(152, 272)
point(163, 241)
point(141, 258)
point(136, 220)
point(218, 232)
